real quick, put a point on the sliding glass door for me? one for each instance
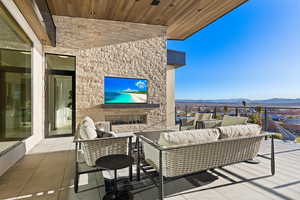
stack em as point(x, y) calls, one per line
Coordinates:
point(15, 103)
point(60, 95)
point(15, 80)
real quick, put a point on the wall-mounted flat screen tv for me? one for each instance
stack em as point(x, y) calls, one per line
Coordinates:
point(125, 90)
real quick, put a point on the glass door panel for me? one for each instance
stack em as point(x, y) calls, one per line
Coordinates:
point(60, 104)
point(15, 105)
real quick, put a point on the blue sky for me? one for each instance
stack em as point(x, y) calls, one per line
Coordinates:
point(252, 52)
point(113, 84)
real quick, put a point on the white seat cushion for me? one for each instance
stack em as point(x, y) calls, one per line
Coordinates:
point(229, 120)
point(239, 131)
point(113, 134)
point(188, 137)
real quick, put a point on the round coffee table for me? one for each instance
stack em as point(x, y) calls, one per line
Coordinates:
point(115, 162)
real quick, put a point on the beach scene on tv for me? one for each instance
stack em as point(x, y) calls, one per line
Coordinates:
point(125, 90)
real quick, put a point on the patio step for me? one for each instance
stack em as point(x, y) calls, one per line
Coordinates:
point(10, 153)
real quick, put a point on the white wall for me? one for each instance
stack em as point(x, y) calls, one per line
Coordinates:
point(170, 96)
point(38, 69)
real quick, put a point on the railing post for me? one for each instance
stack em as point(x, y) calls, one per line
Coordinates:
point(186, 115)
point(272, 156)
point(266, 121)
point(215, 112)
point(236, 111)
point(175, 114)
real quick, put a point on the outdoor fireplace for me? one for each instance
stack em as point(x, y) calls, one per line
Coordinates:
point(126, 119)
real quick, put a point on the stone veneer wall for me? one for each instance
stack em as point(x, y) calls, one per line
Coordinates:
point(120, 49)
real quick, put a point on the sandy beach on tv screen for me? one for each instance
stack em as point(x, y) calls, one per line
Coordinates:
point(139, 98)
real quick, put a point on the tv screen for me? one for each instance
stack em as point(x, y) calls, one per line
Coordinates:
point(125, 90)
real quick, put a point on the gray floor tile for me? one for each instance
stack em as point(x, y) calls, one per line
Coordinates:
point(48, 172)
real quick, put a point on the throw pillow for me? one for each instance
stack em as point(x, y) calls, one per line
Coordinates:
point(82, 133)
point(188, 137)
point(239, 131)
point(90, 133)
point(88, 122)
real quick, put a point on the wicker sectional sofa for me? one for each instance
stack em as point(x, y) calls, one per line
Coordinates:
point(195, 154)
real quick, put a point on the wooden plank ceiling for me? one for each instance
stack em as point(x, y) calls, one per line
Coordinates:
point(183, 17)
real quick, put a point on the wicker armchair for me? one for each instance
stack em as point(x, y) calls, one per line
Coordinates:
point(226, 121)
point(186, 124)
point(88, 151)
point(192, 123)
point(204, 124)
point(178, 161)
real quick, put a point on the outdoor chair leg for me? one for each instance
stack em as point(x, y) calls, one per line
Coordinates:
point(130, 154)
point(138, 170)
point(76, 178)
point(130, 173)
point(161, 178)
point(272, 156)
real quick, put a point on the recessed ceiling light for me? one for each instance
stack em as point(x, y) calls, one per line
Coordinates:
point(25, 52)
point(63, 56)
point(155, 2)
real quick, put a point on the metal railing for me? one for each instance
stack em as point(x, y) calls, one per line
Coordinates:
point(271, 118)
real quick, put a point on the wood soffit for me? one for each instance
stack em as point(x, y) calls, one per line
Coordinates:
point(183, 17)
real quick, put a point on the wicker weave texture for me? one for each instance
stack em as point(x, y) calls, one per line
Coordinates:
point(95, 149)
point(191, 159)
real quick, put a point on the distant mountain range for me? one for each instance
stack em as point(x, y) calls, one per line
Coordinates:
point(239, 100)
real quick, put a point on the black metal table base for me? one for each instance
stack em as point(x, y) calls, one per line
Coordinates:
point(115, 162)
point(120, 195)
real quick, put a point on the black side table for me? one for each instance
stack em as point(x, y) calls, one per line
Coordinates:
point(115, 162)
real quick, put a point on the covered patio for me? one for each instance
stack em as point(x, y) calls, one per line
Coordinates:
point(69, 51)
point(37, 176)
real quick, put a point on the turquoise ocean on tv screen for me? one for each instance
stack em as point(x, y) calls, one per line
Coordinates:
point(114, 97)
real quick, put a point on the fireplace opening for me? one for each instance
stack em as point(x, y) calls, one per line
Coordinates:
point(126, 119)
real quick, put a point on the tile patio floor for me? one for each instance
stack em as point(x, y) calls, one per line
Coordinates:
point(47, 174)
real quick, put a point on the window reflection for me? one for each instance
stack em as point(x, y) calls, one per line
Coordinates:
point(15, 98)
point(15, 80)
